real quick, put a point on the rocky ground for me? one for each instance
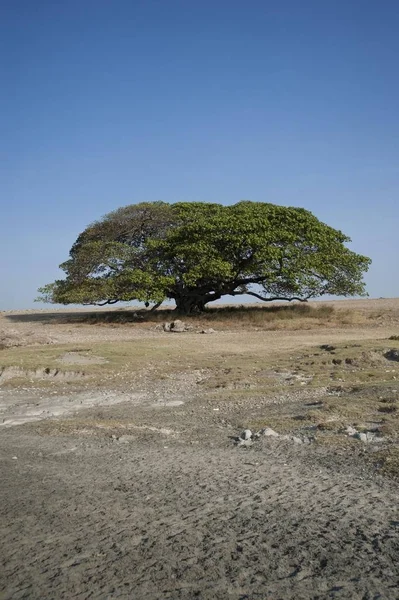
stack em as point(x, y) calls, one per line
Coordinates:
point(131, 482)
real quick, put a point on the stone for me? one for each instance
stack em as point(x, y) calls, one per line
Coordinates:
point(126, 439)
point(178, 326)
point(210, 330)
point(244, 443)
point(296, 440)
point(175, 326)
point(268, 432)
point(351, 431)
point(246, 434)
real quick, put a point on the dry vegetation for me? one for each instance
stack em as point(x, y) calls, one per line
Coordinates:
point(274, 317)
point(314, 390)
point(123, 438)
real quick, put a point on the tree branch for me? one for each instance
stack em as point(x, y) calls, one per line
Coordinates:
point(272, 299)
point(157, 305)
point(100, 303)
point(246, 281)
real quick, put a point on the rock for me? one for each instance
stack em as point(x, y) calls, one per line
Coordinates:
point(351, 431)
point(392, 354)
point(175, 327)
point(268, 432)
point(126, 439)
point(244, 443)
point(210, 330)
point(246, 434)
point(296, 440)
point(178, 326)
point(366, 436)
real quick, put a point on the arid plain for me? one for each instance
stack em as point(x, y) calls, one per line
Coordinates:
point(126, 474)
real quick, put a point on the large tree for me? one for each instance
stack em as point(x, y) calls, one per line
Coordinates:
point(195, 253)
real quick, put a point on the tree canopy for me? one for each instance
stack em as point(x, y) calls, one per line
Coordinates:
point(195, 253)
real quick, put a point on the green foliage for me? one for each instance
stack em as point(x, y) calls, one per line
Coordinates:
point(195, 253)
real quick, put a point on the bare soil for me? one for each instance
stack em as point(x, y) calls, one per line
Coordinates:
point(123, 479)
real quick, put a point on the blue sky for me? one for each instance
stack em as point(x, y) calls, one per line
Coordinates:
point(111, 103)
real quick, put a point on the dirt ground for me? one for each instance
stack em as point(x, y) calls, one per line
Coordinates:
point(121, 476)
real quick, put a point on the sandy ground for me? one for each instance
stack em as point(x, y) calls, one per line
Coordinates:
point(173, 509)
point(167, 519)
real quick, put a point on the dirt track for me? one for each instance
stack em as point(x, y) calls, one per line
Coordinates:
point(175, 510)
point(142, 520)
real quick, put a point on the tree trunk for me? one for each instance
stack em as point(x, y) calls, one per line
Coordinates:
point(190, 305)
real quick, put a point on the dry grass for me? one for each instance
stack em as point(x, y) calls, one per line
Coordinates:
point(123, 356)
point(320, 389)
point(294, 316)
point(226, 368)
point(361, 391)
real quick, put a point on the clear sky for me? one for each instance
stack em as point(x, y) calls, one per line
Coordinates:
point(106, 103)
